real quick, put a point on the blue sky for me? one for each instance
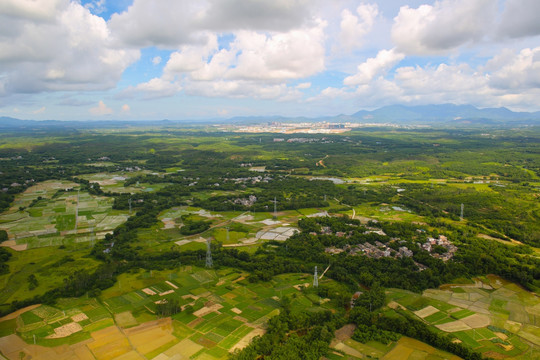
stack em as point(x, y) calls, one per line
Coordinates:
point(184, 59)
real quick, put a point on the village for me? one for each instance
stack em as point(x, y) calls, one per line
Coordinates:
point(439, 248)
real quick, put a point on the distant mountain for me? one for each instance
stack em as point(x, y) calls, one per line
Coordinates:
point(442, 113)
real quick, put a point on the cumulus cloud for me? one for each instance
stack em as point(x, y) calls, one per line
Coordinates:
point(374, 67)
point(172, 23)
point(513, 71)
point(442, 27)
point(265, 15)
point(29, 9)
point(520, 18)
point(354, 28)
point(65, 49)
point(241, 89)
point(164, 23)
point(154, 88)
point(101, 109)
point(508, 79)
point(156, 60)
point(253, 63)
point(126, 108)
point(191, 57)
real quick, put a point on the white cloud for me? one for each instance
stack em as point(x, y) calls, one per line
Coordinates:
point(508, 79)
point(442, 27)
point(254, 63)
point(305, 85)
point(266, 15)
point(191, 57)
point(374, 67)
point(292, 55)
point(154, 88)
point(70, 50)
point(40, 110)
point(101, 109)
point(163, 23)
point(172, 23)
point(31, 9)
point(511, 71)
point(156, 60)
point(126, 108)
point(520, 18)
point(355, 28)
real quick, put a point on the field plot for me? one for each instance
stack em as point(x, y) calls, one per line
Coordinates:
point(492, 315)
point(59, 216)
point(114, 182)
point(411, 349)
point(220, 314)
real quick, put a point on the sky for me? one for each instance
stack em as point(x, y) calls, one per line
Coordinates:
point(211, 59)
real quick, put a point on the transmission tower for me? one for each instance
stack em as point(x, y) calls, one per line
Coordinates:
point(275, 208)
point(227, 228)
point(209, 263)
point(461, 216)
point(129, 202)
point(315, 278)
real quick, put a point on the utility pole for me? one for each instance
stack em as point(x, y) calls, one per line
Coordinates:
point(461, 216)
point(275, 208)
point(129, 202)
point(315, 278)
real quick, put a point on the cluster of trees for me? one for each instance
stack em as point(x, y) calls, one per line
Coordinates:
point(5, 255)
point(192, 226)
point(501, 210)
point(168, 307)
point(293, 335)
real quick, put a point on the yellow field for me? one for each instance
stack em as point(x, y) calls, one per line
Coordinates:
point(410, 349)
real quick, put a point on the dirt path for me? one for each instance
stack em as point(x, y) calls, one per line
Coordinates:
point(13, 315)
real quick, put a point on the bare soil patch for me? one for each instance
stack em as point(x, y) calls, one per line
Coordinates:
point(247, 339)
point(65, 330)
point(477, 321)
point(79, 317)
point(425, 312)
point(454, 326)
point(345, 332)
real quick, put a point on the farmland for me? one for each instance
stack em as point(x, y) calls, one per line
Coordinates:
point(224, 313)
point(104, 250)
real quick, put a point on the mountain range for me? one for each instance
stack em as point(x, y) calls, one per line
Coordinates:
point(443, 114)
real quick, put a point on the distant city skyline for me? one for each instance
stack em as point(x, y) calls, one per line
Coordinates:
point(180, 59)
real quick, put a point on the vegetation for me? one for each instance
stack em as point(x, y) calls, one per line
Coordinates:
point(83, 210)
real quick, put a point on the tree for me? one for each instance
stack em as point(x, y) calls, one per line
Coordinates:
point(32, 282)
